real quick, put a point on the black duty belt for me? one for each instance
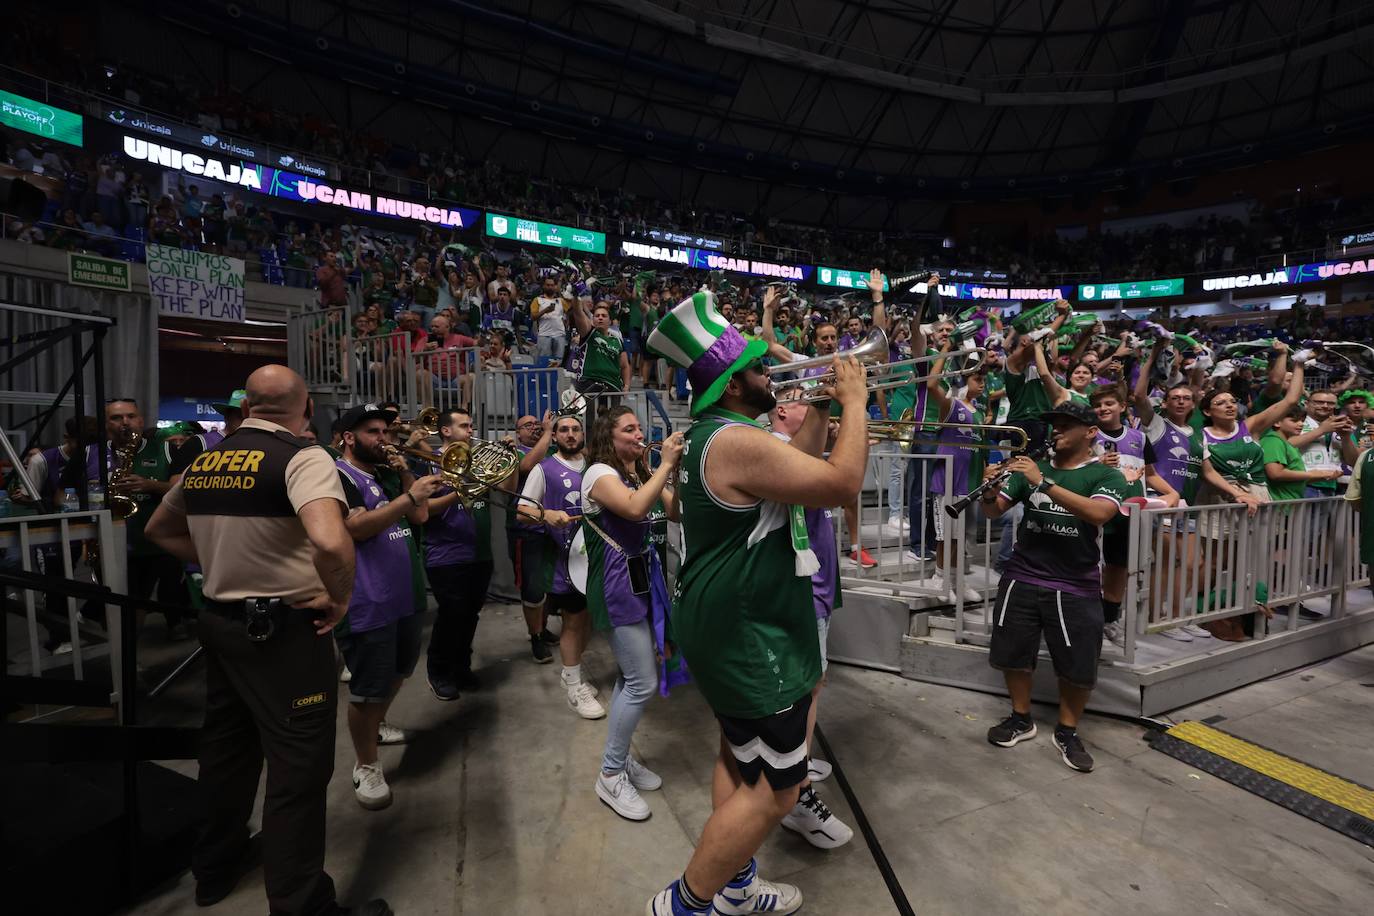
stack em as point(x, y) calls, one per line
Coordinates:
point(261, 616)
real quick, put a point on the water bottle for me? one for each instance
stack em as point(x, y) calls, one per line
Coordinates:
point(95, 498)
point(69, 501)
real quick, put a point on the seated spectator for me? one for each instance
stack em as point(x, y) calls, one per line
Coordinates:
point(445, 369)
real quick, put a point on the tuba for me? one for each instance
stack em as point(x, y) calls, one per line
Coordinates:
point(125, 444)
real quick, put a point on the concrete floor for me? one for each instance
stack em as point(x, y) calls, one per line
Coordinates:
point(494, 810)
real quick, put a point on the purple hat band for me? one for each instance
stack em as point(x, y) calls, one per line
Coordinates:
point(716, 360)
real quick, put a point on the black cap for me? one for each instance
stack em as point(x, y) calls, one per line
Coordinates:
point(354, 416)
point(1071, 410)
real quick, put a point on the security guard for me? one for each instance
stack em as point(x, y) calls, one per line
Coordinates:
point(262, 513)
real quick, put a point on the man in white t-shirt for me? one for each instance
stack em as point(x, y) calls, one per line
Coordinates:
point(547, 313)
point(555, 484)
point(1324, 441)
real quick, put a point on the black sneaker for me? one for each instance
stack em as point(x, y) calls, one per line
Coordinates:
point(443, 688)
point(550, 639)
point(1011, 731)
point(540, 650)
point(466, 680)
point(1076, 756)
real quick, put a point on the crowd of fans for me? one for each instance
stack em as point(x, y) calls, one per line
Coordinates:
point(368, 159)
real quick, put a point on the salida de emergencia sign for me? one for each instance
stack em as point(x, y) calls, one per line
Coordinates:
point(195, 284)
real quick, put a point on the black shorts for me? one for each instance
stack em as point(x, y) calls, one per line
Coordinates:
point(1115, 545)
point(375, 658)
point(571, 603)
point(1071, 625)
point(527, 549)
point(774, 746)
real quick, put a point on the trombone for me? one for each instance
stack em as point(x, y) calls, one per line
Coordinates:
point(879, 375)
point(905, 431)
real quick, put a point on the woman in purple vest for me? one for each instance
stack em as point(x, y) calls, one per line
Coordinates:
point(623, 575)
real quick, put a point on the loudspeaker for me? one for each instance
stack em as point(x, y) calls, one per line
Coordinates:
point(21, 199)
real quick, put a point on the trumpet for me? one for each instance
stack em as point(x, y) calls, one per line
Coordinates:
point(879, 375)
point(425, 422)
point(905, 430)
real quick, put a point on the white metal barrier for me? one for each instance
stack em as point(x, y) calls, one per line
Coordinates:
point(58, 546)
point(443, 378)
point(1200, 564)
point(905, 563)
point(381, 370)
point(502, 396)
point(319, 344)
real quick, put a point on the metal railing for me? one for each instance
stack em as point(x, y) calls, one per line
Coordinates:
point(502, 396)
point(61, 547)
point(1201, 564)
point(443, 378)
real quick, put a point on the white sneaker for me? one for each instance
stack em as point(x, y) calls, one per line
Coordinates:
point(1113, 633)
point(1179, 634)
point(972, 594)
point(346, 676)
point(369, 786)
point(621, 796)
point(758, 896)
point(813, 820)
point(893, 528)
point(817, 770)
point(591, 687)
point(643, 778)
point(937, 585)
point(582, 700)
point(1196, 631)
point(390, 734)
point(63, 648)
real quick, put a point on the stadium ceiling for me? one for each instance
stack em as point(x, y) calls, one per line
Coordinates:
point(897, 99)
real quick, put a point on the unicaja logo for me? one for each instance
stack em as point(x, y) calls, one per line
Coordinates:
point(209, 140)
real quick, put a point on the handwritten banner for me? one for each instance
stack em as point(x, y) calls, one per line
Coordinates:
point(195, 284)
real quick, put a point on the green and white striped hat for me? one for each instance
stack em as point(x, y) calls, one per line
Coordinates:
point(695, 336)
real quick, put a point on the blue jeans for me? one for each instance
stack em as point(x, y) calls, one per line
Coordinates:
point(633, 647)
point(1008, 521)
point(918, 496)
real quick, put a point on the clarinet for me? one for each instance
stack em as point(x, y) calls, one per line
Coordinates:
point(1034, 453)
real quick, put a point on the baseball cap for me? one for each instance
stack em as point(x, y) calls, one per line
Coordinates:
point(235, 401)
point(1069, 410)
point(354, 416)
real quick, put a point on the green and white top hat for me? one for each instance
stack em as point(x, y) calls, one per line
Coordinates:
point(695, 336)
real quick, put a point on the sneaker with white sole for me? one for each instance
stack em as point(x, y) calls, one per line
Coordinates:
point(817, 770)
point(1178, 634)
point(1196, 631)
point(643, 778)
point(621, 796)
point(914, 556)
point(666, 903)
point(390, 734)
point(972, 595)
point(937, 585)
point(345, 676)
point(582, 700)
point(814, 821)
point(369, 786)
point(1113, 633)
point(755, 895)
point(893, 528)
point(1011, 731)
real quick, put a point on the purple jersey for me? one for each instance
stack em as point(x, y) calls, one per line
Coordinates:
point(562, 491)
point(1129, 444)
point(956, 441)
point(382, 591)
point(825, 582)
point(1178, 454)
point(54, 461)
